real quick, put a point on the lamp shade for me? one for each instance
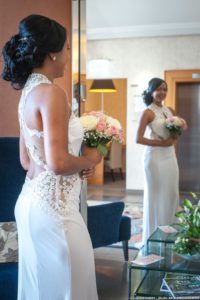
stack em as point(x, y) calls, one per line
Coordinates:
point(102, 86)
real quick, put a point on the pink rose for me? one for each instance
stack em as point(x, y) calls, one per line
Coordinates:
point(111, 131)
point(171, 119)
point(101, 126)
point(119, 136)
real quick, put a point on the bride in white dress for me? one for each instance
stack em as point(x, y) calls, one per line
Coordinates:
point(161, 187)
point(56, 260)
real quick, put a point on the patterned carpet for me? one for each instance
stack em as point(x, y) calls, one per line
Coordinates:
point(135, 213)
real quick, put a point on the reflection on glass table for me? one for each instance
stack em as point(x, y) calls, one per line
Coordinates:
point(163, 237)
point(146, 280)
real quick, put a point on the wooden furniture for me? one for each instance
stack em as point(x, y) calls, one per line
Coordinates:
point(114, 159)
point(98, 177)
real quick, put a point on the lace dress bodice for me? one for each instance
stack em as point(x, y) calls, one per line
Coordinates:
point(53, 193)
point(157, 128)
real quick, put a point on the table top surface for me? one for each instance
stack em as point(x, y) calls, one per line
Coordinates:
point(159, 236)
point(161, 244)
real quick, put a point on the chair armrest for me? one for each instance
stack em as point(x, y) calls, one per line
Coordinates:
point(104, 223)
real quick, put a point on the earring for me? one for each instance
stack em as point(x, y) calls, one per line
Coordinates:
point(54, 58)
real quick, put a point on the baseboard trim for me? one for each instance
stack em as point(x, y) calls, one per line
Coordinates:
point(134, 192)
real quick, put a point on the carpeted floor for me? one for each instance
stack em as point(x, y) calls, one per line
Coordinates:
point(136, 214)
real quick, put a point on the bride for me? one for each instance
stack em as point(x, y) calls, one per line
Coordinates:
point(161, 193)
point(56, 259)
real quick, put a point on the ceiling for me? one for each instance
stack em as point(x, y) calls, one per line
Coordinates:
point(139, 18)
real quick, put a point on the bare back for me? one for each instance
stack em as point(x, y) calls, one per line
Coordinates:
point(33, 138)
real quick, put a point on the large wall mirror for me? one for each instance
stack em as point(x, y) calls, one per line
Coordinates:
point(78, 54)
point(79, 74)
point(142, 42)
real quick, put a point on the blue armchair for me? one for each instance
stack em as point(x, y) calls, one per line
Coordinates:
point(107, 225)
point(11, 179)
point(105, 222)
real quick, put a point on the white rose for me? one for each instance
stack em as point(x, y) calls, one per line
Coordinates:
point(177, 121)
point(89, 122)
point(113, 122)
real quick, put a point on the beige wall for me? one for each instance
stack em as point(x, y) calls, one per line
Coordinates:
point(11, 12)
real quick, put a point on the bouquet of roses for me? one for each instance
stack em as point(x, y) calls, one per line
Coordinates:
point(175, 125)
point(100, 129)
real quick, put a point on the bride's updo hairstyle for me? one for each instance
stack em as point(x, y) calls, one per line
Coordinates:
point(38, 36)
point(153, 84)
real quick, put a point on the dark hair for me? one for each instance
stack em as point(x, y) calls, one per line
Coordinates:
point(153, 84)
point(37, 37)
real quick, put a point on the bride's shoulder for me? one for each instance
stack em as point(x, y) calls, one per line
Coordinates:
point(52, 91)
point(149, 111)
point(147, 115)
point(52, 98)
point(54, 88)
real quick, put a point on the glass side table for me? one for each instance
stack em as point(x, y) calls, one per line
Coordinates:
point(159, 236)
point(150, 276)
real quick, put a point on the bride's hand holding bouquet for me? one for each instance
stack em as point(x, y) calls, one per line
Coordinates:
point(175, 125)
point(99, 130)
point(91, 154)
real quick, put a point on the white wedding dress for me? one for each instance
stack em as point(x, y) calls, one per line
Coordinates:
point(161, 188)
point(56, 260)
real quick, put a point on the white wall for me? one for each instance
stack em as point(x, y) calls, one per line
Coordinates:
point(138, 60)
point(108, 19)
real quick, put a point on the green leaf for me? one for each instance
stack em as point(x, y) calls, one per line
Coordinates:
point(194, 195)
point(102, 150)
point(187, 203)
point(179, 214)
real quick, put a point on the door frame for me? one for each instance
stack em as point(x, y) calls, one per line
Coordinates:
point(172, 77)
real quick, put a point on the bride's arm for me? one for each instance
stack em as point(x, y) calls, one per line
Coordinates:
point(146, 118)
point(54, 111)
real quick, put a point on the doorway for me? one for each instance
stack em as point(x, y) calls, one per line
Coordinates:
point(188, 148)
point(184, 98)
